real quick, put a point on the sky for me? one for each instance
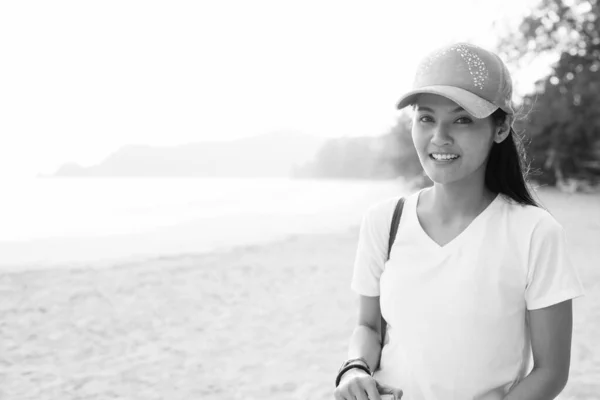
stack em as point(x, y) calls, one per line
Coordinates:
point(79, 79)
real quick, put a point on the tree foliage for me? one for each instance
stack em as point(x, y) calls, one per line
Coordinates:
point(406, 160)
point(563, 113)
point(382, 157)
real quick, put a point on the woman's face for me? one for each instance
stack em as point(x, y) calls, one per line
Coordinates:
point(452, 144)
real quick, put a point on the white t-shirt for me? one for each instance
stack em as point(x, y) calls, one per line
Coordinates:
point(457, 320)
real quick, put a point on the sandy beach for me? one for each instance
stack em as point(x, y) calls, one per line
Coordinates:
point(254, 322)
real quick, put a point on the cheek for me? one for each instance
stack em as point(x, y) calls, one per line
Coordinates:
point(479, 148)
point(419, 139)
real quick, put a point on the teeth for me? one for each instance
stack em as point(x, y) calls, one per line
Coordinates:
point(444, 156)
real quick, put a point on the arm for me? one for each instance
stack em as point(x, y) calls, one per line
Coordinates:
point(550, 330)
point(366, 338)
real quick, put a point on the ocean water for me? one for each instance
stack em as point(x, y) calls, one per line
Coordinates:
point(75, 221)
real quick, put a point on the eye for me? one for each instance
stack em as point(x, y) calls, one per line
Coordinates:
point(464, 120)
point(425, 118)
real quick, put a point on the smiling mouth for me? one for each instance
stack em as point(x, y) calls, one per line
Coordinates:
point(443, 157)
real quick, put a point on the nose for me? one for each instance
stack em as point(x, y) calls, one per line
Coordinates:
point(441, 135)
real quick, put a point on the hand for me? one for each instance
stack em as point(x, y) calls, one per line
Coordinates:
point(389, 392)
point(358, 385)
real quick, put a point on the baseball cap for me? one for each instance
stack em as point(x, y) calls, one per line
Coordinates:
point(474, 78)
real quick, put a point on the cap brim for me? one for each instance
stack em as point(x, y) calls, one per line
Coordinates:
point(473, 104)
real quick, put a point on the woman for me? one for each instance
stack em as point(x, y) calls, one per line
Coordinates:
point(477, 291)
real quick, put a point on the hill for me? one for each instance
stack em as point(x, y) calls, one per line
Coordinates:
point(269, 155)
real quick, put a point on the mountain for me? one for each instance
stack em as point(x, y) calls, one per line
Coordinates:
point(269, 155)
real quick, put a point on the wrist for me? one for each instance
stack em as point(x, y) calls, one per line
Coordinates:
point(355, 364)
point(351, 373)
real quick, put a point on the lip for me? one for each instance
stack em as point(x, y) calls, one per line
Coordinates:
point(443, 152)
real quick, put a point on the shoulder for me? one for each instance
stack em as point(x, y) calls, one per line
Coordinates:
point(528, 219)
point(382, 210)
point(383, 206)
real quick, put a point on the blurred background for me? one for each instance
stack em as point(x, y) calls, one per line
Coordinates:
point(168, 169)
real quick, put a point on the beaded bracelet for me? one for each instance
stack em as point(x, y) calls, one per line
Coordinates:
point(347, 368)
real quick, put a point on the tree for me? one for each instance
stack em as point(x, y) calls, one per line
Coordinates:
point(563, 120)
point(379, 157)
point(404, 155)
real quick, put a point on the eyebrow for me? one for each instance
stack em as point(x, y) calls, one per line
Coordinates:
point(424, 108)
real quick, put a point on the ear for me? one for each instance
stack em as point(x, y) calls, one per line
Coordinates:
point(502, 131)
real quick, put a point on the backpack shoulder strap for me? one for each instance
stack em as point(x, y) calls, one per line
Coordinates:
point(393, 231)
point(395, 223)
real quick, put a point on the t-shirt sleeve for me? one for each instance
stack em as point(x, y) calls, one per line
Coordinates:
point(551, 278)
point(371, 252)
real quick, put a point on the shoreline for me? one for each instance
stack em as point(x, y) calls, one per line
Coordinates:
point(206, 222)
point(172, 242)
point(147, 262)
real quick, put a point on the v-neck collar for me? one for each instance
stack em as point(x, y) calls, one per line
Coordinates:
point(476, 221)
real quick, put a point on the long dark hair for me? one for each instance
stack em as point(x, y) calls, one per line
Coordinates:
point(507, 166)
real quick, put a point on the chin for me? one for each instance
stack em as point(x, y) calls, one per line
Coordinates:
point(441, 178)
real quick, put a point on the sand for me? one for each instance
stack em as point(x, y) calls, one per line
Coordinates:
point(255, 322)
